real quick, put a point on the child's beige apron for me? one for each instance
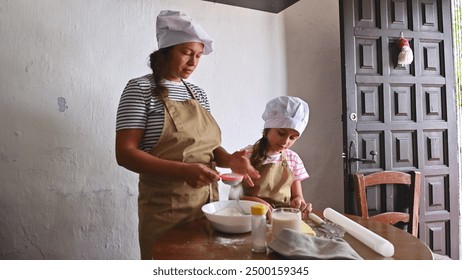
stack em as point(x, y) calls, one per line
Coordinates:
point(274, 184)
point(190, 134)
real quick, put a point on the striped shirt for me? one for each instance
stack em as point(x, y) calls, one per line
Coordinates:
point(138, 109)
point(294, 162)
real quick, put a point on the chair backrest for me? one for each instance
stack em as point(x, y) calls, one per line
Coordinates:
point(410, 180)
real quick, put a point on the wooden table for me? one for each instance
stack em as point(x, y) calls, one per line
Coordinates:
point(198, 240)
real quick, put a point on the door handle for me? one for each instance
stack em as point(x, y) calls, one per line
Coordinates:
point(365, 160)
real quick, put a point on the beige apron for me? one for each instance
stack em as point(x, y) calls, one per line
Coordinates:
point(274, 184)
point(190, 134)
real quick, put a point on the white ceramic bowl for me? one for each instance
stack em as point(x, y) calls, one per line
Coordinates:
point(227, 222)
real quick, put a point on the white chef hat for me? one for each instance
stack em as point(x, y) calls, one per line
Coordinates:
point(286, 112)
point(174, 27)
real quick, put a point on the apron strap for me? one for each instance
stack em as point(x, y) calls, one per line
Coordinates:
point(284, 159)
point(193, 93)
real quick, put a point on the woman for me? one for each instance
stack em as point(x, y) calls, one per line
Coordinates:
point(166, 133)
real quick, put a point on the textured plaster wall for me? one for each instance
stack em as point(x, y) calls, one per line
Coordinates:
point(63, 66)
point(314, 73)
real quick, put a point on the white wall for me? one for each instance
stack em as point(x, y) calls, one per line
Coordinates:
point(63, 66)
point(314, 73)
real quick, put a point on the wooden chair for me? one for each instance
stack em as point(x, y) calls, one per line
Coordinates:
point(410, 180)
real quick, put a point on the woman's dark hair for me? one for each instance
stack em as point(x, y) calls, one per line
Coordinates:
point(158, 61)
point(259, 150)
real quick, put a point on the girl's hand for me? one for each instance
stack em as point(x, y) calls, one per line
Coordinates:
point(259, 200)
point(198, 175)
point(299, 203)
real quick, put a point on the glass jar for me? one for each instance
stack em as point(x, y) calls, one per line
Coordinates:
point(258, 221)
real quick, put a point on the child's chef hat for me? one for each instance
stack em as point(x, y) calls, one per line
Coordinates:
point(286, 112)
point(174, 27)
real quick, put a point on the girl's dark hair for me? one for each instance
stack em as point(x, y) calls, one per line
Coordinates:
point(259, 150)
point(158, 61)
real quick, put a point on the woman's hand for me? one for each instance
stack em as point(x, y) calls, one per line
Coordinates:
point(197, 175)
point(131, 157)
point(240, 164)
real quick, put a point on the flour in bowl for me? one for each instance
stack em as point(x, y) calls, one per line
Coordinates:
point(229, 212)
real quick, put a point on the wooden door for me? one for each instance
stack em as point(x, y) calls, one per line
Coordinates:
point(402, 117)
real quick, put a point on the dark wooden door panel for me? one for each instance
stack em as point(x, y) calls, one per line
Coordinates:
point(404, 115)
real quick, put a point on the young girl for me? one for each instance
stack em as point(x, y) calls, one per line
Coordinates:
point(281, 169)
